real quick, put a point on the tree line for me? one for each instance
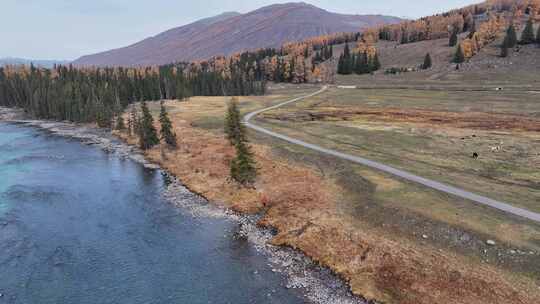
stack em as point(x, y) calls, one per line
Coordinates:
point(527, 37)
point(99, 95)
point(359, 63)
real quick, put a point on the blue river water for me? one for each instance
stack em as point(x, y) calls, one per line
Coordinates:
point(78, 225)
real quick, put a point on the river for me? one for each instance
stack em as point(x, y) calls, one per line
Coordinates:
point(79, 225)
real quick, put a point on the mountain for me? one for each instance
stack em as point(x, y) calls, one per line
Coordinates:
point(40, 63)
point(229, 33)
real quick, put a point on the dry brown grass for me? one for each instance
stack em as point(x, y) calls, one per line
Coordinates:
point(302, 205)
point(392, 271)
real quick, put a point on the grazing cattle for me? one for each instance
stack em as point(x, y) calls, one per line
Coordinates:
point(475, 155)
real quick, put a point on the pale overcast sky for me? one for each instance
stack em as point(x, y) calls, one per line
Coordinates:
point(67, 29)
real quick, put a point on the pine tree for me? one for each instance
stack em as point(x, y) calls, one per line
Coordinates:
point(365, 63)
point(427, 62)
point(360, 64)
point(404, 37)
point(459, 57)
point(346, 51)
point(340, 65)
point(148, 137)
point(357, 62)
point(504, 49)
point(527, 37)
point(234, 129)
point(167, 132)
point(242, 166)
point(511, 37)
point(348, 61)
point(376, 63)
point(453, 38)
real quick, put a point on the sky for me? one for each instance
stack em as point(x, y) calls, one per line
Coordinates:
point(68, 29)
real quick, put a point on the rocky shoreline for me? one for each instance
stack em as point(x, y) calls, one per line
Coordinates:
point(318, 284)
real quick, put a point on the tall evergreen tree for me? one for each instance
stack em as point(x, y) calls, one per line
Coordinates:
point(243, 168)
point(527, 37)
point(167, 132)
point(347, 62)
point(404, 37)
point(234, 129)
point(346, 51)
point(427, 62)
point(511, 37)
point(452, 41)
point(459, 57)
point(357, 64)
point(376, 63)
point(340, 65)
point(365, 63)
point(148, 137)
point(504, 49)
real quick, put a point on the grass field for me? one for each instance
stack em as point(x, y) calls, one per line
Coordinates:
point(411, 130)
point(353, 209)
point(433, 134)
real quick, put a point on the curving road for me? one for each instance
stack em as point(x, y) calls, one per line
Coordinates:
point(382, 167)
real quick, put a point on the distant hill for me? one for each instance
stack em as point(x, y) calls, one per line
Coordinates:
point(40, 63)
point(229, 33)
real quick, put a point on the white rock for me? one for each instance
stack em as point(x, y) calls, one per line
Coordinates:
point(490, 242)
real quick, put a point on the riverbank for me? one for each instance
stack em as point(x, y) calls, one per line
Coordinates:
point(318, 284)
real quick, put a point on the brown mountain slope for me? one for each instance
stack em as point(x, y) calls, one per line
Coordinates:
point(269, 26)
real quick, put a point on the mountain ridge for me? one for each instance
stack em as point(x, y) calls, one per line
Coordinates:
point(232, 32)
